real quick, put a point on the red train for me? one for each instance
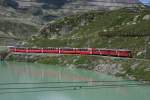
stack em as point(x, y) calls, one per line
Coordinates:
point(80, 51)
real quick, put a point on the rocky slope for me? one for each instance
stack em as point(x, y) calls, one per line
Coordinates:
point(116, 29)
point(48, 9)
point(15, 25)
point(22, 18)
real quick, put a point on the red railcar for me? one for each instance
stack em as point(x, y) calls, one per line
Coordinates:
point(123, 53)
point(113, 53)
point(12, 49)
point(50, 50)
point(84, 51)
point(33, 50)
point(81, 51)
point(20, 49)
point(103, 52)
point(67, 51)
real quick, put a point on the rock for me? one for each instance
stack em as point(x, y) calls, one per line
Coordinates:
point(136, 18)
point(139, 53)
point(105, 30)
point(108, 68)
point(131, 77)
point(147, 69)
point(146, 17)
point(134, 23)
point(134, 66)
point(128, 23)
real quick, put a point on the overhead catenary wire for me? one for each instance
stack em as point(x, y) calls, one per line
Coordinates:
point(60, 90)
point(65, 82)
point(75, 86)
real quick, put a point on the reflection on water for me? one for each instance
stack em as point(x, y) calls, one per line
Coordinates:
point(13, 72)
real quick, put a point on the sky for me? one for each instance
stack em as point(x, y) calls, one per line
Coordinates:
point(145, 1)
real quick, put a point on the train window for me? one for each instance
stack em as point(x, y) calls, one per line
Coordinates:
point(53, 48)
point(83, 49)
point(68, 49)
point(96, 50)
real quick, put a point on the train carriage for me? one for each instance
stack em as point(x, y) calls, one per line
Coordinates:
point(80, 51)
point(95, 51)
point(33, 50)
point(23, 50)
point(67, 50)
point(84, 51)
point(113, 53)
point(12, 49)
point(51, 50)
point(124, 53)
point(104, 52)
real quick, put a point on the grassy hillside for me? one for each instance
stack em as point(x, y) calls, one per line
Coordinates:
point(15, 25)
point(122, 28)
point(15, 30)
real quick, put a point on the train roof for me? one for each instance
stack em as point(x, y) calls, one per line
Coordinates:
point(73, 48)
point(113, 49)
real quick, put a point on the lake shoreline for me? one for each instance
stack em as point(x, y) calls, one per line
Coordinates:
point(133, 69)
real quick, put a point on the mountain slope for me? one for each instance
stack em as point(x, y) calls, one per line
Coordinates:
point(15, 25)
point(116, 29)
point(29, 15)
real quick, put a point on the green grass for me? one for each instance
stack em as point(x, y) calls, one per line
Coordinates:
point(52, 61)
point(17, 29)
point(114, 29)
point(139, 72)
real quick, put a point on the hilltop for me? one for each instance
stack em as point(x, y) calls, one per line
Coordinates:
point(23, 18)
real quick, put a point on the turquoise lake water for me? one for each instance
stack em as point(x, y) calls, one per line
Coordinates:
point(27, 81)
